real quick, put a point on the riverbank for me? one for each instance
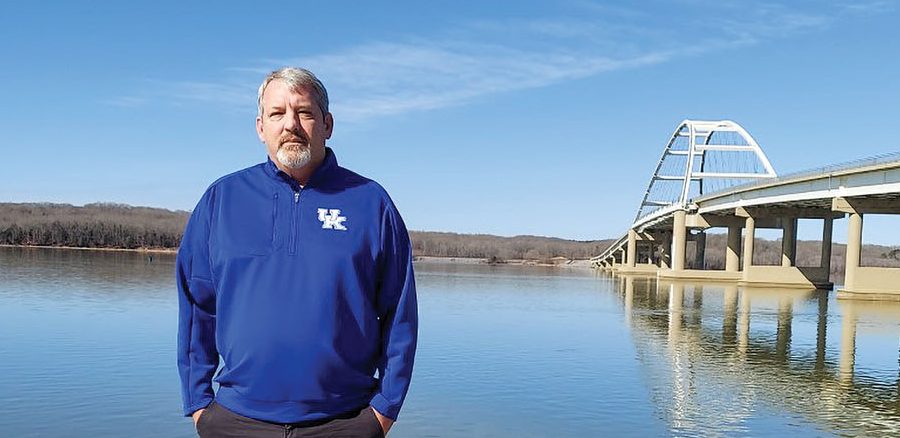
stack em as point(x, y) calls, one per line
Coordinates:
point(559, 262)
point(80, 248)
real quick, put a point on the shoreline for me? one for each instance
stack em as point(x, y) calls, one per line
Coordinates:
point(569, 264)
point(84, 248)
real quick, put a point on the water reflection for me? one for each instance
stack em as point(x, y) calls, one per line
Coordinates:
point(731, 352)
point(95, 275)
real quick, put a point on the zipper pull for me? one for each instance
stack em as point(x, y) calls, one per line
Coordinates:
point(296, 197)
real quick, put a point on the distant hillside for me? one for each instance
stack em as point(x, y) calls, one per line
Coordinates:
point(105, 225)
point(100, 225)
point(496, 248)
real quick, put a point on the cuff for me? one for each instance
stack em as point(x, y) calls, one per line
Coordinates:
point(384, 407)
point(202, 404)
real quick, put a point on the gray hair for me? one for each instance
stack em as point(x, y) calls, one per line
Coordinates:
point(297, 78)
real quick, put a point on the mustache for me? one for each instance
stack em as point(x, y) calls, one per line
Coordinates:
point(291, 138)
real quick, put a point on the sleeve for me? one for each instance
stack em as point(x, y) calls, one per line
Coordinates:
point(197, 354)
point(397, 311)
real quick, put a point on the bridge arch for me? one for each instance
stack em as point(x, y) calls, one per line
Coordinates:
point(701, 156)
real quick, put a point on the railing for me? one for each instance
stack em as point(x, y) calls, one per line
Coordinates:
point(824, 170)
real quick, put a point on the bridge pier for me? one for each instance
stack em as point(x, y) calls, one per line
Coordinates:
point(665, 261)
point(739, 265)
point(631, 253)
point(682, 223)
point(700, 250)
point(788, 274)
point(679, 240)
point(827, 231)
point(749, 239)
point(733, 251)
point(866, 282)
point(789, 242)
point(638, 253)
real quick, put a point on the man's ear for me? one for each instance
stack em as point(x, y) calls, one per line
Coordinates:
point(259, 129)
point(329, 125)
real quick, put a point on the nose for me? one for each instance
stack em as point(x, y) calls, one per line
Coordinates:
point(292, 121)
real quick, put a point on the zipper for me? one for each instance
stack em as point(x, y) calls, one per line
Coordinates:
point(294, 221)
point(275, 220)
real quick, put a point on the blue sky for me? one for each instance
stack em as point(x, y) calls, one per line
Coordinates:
point(510, 118)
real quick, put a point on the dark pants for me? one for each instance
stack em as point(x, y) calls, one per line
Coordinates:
point(218, 422)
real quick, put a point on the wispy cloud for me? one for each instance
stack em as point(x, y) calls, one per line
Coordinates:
point(487, 57)
point(127, 101)
point(870, 7)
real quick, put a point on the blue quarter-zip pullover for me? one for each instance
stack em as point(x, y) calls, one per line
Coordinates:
point(304, 292)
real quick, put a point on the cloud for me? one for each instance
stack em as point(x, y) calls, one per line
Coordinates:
point(870, 7)
point(487, 57)
point(127, 101)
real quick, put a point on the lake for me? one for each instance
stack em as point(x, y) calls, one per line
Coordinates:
point(87, 348)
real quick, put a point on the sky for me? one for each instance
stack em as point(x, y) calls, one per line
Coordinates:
point(507, 118)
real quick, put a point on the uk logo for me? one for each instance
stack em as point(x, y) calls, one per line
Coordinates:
point(331, 219)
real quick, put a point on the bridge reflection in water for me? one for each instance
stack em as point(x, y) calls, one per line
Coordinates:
point(715, 355)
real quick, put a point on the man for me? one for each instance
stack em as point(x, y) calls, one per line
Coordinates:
point(298, 273)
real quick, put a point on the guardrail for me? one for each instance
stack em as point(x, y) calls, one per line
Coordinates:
point(823, 170)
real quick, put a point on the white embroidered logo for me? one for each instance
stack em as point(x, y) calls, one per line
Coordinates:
point(331, 219)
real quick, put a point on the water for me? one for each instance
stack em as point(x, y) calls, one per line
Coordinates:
point(87, 349)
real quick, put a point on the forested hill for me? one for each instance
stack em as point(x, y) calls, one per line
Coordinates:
point(100, 225)
point(105, 225)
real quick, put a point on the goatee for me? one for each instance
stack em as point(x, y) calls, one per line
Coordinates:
point(293, 156)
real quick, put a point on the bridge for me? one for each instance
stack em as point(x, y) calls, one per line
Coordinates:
point(713, 174)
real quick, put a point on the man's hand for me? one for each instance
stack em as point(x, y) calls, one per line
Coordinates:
point(385, 422)
point(196, 416)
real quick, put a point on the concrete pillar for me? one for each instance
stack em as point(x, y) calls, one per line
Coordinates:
point(732, 254)
point(622, 256)
point(749, 236)
point(665, 249)
point(632, 249)
point(825, 263)
point(679, 241)
point(854, 246)
point(700, 253)
point(789, 242)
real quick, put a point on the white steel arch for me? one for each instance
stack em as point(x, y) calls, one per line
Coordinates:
point(699, 135)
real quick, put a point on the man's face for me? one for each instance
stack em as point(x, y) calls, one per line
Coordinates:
point(292, 126)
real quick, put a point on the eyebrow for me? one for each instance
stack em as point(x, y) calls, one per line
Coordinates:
point(283, 107)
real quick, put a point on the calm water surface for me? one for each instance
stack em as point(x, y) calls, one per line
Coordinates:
point(87, 345)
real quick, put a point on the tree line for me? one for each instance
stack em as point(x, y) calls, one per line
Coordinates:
point(497, 248)
point(107, 225)
point(99, 225)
